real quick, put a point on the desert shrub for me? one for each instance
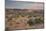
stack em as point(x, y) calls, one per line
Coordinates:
point(38, 20)
point(17, 16)
point(30, 22)
point(42, 20)
point(29, 16)
point(22, 15)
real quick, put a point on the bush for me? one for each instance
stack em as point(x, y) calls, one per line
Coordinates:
point(30, 22)
point(37, 21)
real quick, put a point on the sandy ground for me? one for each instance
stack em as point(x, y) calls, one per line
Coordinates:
point(36, 26)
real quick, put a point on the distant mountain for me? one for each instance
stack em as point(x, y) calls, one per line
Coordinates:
point(24, 10)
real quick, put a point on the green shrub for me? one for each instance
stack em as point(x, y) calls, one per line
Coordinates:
point(37, 21)
point(30, 22)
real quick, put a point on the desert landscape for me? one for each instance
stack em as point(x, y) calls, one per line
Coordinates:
point(24, 15)
point(23, 19)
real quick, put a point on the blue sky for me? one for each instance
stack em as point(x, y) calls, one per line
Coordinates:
point(20, 5)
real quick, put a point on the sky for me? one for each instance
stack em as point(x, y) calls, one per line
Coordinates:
point(23, 4)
